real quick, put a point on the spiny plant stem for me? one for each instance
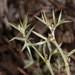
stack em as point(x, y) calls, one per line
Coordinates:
point(46, 61)
point(63, 56)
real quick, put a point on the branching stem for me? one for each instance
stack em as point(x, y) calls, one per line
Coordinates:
point(62, 54)
point(49, 66)
point(46, 61)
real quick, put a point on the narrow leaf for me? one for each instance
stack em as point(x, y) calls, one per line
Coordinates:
point(14, 26)
point(51, 53)
point(25, 45)
point(21, 23)
point(25, 22)
point(27, 26)
point(29, 50)
point(18, 38)
point(60, 22)
point(60, 17)
point(40, 49)
point(53, 15)
point(30, 58)
point(44, 49)
point(43, 17)
point(39, 35)
point(31, 63)
point(58, 53)
point(66, 21)
point(55, 22)
point(41, 20)
point(70, 53)
point(49, 46)
point(54, 19)
point(29, 33)
point(40, 43)
point(28, 61)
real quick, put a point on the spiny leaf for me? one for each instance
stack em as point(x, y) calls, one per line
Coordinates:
point(60, 22)
point(30, 58)
point(29, 33)
point(70, 53)
point(31, 63)
point(41, 20)
point(28, 61)
point(53, 15)
point(30, 44)
point(18, 38)
point(44, 48)
point(27, 26)
point(43, 17)
point(44, 20)
point(21, 23)
point(55, 22)
point(40, 43)
point(39, 35)
point(25, 23)
point(49, 46)
point(66, 21)
point(14, 26)
point(25, 45)
point(29, 50)
point(54, 19)
point(40, 48)
point(60, 17)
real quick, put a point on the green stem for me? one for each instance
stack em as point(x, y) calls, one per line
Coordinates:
point(49, 67)
point(63, 56)
point(50, 57)
point(39, 53)
point(46, 61)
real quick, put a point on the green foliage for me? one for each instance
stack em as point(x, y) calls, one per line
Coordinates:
point(22, 28)
point(39, 35)
point(18, 38)
point(45, 42)
point(48, 23)
point(70, 53)
point(29, 62)
point(54, 19)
